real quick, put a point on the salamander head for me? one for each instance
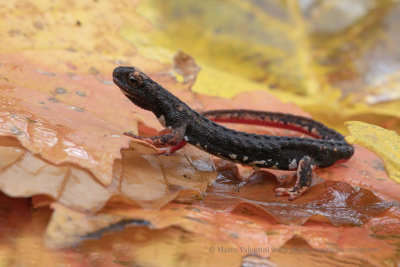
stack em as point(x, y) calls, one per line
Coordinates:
point(135, 85)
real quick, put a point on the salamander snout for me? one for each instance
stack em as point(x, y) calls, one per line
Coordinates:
point(128, 78)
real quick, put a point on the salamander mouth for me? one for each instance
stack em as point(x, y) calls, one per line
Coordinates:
point(119, 83)
point(134, 98)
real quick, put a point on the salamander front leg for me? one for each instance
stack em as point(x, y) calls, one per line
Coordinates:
point(303, 182)
point(173, 138)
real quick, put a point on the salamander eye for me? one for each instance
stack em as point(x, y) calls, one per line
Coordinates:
point(135, 79)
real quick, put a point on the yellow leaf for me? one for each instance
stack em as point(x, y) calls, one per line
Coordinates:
point(313, 60)
point(383, 142)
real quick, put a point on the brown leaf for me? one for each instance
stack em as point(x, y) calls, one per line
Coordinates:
point(140, 178)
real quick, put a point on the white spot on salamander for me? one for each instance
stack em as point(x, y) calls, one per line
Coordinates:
point(256, 162)
point(232, 156)
point(245, 158)
point(161, 119)
point(205, 146)
point(293, 165)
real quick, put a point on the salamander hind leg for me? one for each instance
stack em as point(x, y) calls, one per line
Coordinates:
point(303, 182)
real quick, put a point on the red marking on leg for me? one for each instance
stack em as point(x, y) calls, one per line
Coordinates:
point(172, 149)
point(178, 146)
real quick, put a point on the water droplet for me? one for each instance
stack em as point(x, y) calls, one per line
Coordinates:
point(15, 130)
point(81, 93)
point(77, 109)
point(60, 91)
point(53, 99)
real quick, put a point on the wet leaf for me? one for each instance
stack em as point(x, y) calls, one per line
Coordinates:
point(61, 128)
point(122, 242)
point(366, 170)
point(335, 202)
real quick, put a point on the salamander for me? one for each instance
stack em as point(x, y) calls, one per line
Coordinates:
point(183, 124)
